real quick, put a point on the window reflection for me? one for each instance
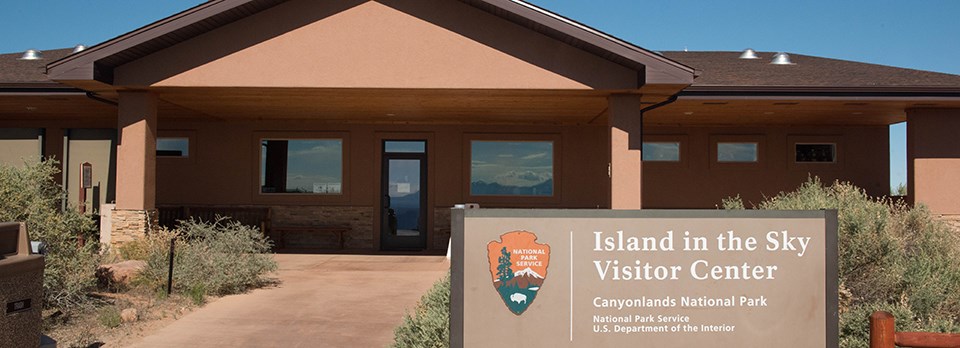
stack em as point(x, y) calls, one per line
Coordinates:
point(736, 152)
point(301, 166)
point(511, 168)
point(661, 152)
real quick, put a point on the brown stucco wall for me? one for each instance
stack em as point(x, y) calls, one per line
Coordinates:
point(223, 170)
point(933, 159)
point(701, 182)
point(376, 44)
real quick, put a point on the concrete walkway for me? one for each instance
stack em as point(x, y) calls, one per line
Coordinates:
point(324, 301)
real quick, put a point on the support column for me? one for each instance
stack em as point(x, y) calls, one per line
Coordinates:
point(933, 160)
point(53, 148)
point(135, 213)
point(626, 125)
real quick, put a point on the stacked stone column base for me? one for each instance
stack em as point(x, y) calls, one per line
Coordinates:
point(131, 225)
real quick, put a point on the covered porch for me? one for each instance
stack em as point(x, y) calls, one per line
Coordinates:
point(372, 117)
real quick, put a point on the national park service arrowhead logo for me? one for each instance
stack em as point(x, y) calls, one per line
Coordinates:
point(518, 265)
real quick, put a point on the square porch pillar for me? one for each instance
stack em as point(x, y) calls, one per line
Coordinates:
point(135, 213)
point(933, 160)
point(626, 125)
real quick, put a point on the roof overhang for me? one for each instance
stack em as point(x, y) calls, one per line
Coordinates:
point(766, 92)
point(799, 106)
point(92, 69)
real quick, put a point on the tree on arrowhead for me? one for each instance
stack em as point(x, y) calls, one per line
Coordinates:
point(503, 269)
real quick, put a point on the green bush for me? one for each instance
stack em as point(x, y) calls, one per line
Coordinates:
point(429, 326)
point(891, 257)
point(29, 193)
point(109, 316)
point(218, 258)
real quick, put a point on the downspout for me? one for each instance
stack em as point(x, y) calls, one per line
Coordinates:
point(643, 111)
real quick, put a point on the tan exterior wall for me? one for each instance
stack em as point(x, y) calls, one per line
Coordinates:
point(97, 147)
point(699, 181)
point(933, 159)
point(19, 145)
point(376, 44)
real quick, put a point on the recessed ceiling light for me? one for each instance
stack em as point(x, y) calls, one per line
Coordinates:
point(688, 113)
point(391, 115)
point(31, 108)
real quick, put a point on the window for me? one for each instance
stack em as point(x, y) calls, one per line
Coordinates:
point(737, 152)
point(405, 146)
point(173, 147)
point(511, 168)
point(661, 151)
point(306, 166)
point(815, 153)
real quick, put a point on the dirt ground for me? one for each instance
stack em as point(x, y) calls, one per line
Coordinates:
point(101, 326)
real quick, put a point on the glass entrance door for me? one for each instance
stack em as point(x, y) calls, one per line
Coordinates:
point(403, 224)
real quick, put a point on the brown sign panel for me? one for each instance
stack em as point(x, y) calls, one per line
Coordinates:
point(585, 278)
point(86, 175)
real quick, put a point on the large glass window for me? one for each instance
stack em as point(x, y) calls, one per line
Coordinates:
point(737, 152)
point(511, 168)
point(661, 151)
point(312, 166)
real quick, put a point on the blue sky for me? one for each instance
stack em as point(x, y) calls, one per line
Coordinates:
point(911, 34)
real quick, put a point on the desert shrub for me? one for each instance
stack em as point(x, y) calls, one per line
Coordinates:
point(28, 193)
point(429, 325)
point(892, 257)
point(136, 249)
point(109, 316)
point(217, 258)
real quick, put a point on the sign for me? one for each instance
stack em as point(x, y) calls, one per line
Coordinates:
point(582, 278)
point(86, 175)
point(18, 306)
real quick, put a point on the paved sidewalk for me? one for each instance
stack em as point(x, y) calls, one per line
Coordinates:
point(324, 301)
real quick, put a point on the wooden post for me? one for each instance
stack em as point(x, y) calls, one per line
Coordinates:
point(882, 330)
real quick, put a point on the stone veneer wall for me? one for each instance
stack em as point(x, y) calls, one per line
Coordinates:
point(441, 229)
point(130, 225)
point(359, 219)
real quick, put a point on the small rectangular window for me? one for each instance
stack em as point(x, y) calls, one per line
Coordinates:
point(737, 152)
point(815, 153)
point(405, 146)
point(661, 151)
point(308, 166)
point(511, 168)
point(173, 147)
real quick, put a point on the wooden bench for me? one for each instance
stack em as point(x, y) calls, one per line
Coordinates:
point(280, 232)
point(884, 335)
point(258, 217)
